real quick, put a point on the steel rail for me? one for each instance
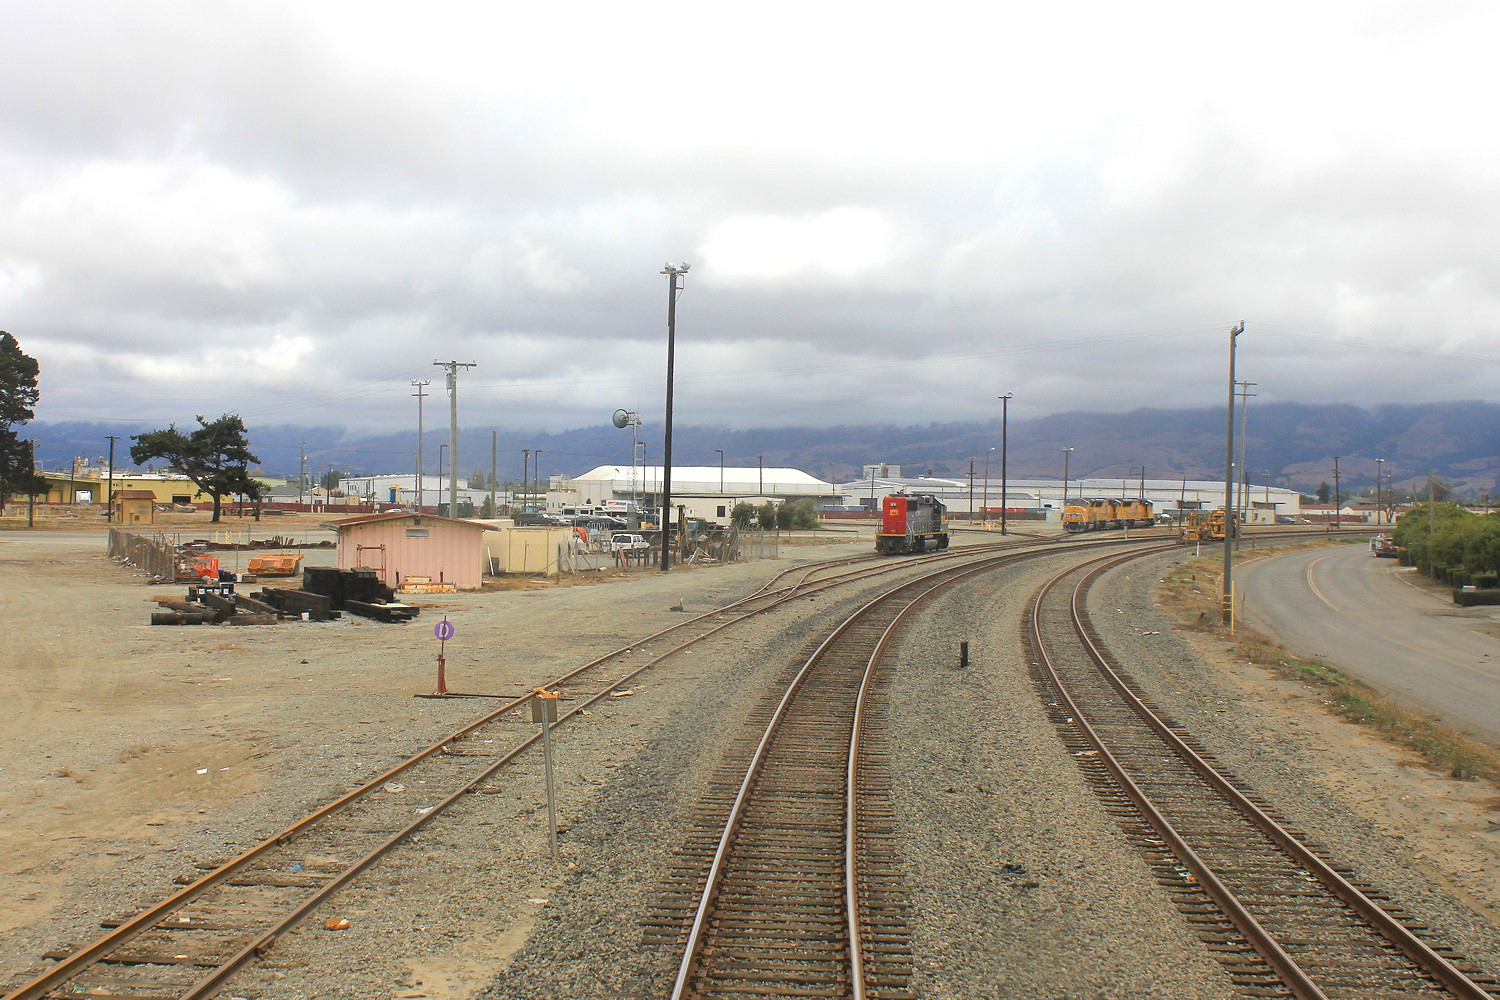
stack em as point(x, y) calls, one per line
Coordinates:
point(1265, 945)
point(1420, 953)
point(687, 968)
point(149, 918)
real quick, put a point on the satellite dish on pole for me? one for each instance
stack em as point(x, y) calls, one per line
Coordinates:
point(621, 418)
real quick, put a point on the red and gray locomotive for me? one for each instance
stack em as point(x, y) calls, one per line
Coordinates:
point(909, 521)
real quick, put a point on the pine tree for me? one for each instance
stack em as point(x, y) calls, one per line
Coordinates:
point(18, 394)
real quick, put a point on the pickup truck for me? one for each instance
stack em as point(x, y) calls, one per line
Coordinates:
point(624, 542)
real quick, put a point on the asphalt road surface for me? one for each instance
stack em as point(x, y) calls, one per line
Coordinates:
point(1369, 618)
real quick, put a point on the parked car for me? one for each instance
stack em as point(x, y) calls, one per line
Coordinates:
point(624, 541)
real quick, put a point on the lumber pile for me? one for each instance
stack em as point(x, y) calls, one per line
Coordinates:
point(326, 594)
point(358, 591)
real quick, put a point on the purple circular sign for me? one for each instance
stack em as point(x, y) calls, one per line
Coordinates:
point(444, 630)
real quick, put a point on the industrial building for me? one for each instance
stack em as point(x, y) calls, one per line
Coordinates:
point(706, 491)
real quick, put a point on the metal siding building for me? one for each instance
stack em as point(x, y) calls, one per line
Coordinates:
point(398, 546)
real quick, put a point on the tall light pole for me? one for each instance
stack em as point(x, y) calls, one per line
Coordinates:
point(1226, 593)
point(984, 504)
point(301, 470)
point(672, 271)
point(720, 452)
point(761, 462)
point(1004, 419)
point(1067, 452)
point(525, 480)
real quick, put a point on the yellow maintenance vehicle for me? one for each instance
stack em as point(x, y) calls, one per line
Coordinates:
point(1203, 526)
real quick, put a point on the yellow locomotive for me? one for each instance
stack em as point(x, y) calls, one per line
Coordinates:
point(1105, 513)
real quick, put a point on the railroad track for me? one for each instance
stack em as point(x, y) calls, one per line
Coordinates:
point(229, 914)
point(1284, 920)
point(796, 891)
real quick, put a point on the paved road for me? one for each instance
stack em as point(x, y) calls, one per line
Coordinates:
point(1360, 614)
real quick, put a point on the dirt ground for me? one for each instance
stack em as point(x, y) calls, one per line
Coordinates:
point(125, 741)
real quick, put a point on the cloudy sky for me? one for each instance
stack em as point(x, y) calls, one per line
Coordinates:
point(291, 210)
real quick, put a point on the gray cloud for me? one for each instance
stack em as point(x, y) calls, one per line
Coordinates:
point(291, 211)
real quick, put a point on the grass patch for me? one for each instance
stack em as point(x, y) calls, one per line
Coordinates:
point(1192, 590)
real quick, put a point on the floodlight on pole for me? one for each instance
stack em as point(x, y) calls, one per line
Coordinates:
point(673, 272)
point(1226, 590)
point(629, 418)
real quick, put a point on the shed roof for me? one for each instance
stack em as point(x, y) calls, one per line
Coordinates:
point(395, 515)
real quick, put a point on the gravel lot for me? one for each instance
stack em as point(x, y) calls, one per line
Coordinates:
point(1021, 885)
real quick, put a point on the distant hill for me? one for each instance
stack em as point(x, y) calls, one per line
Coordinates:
point(1294, 443)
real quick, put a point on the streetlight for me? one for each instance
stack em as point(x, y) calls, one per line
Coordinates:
point(984, 504)
point(1066, 453)
point(672, 271)
point(720, 452)
point(761, 462)
point(1004, 419)
point(1226, 580)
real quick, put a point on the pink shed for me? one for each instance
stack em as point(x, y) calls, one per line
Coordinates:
point(402, 545)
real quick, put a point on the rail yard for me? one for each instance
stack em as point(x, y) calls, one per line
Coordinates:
point(277, 815)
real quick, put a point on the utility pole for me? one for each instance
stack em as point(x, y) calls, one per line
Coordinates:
point(1226, 594)
point(761, 461)
point(301, 470)
point(453, 367)
point(1244, 493)
point(110, 489)
point(984, 503)
point(1379, 508)
point(1431, 513)
point(1004, 418)
point(1335, 493)
point(525, 478)
point(31, 497)
point(673, 272)
point(421, 384)
point(971, 489)
point(494, 442)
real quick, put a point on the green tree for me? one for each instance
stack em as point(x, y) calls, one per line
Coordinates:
point(766, 515)
point(216, 456)
point(743, 514)
point(18, 394)
point(802, 515)
point(330, 480)
point(1324, 492)
point(480, 480)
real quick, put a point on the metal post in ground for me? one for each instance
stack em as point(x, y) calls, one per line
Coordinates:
point(544, 711)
